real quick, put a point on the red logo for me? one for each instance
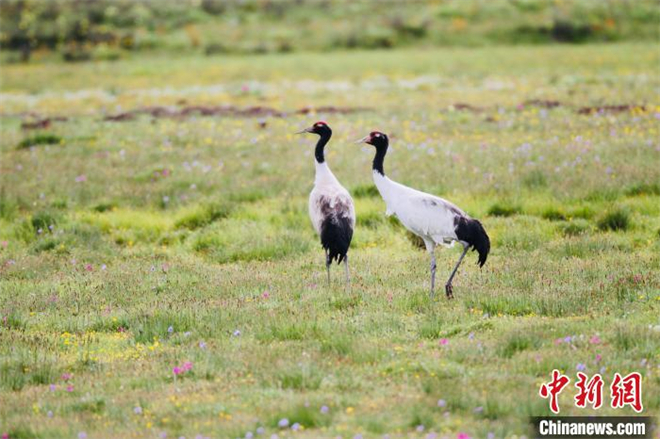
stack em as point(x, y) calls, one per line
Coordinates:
point(625, 391)
point(591, 392)
point(554, 388)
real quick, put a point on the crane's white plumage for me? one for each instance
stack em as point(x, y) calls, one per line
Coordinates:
point(428, 216)
point(331, 207)
point(329, 198)
point(434, 219)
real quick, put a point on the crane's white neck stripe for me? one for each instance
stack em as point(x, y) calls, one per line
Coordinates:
point(324, 175)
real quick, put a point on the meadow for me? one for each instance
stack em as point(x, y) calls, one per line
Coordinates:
point(159, 276)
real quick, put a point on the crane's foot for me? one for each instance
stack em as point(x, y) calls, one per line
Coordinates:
point(449, 290)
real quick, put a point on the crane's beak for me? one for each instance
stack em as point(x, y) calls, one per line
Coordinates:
point(306, 130)
point(365, 139)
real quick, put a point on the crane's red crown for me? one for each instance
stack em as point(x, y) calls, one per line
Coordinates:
point(320, 123)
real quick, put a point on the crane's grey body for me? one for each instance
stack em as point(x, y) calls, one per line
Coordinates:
point(434, 219)
point(331, 207)
point(332, 213)
point(427, 216)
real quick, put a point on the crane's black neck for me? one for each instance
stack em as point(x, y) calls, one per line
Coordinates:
point(379, 159)
point(318, 153)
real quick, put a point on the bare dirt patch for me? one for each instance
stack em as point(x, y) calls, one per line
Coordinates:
point(225, 111)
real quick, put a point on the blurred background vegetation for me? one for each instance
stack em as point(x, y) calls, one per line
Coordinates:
point(81, 30)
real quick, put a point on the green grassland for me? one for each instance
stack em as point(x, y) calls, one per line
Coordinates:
point(75, 30)
point(131, 247)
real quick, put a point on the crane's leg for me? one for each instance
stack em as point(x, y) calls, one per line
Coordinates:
point(433, 266)
point(327, 264)
point(449, 290)
point(348, 278)
point(430, 247)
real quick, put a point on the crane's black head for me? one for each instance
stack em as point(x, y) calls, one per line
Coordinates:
point(380, 142)
point(321, 128)
point(377, 139)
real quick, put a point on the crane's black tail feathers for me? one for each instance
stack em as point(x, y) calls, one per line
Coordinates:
point(336, 235)
point(471, 231)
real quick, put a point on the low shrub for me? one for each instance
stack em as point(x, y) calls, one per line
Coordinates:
point(503, 209)
point(39, 139)
point(617, 219)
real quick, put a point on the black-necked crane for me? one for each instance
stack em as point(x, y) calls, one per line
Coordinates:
point(330, 205)
point(434, 219)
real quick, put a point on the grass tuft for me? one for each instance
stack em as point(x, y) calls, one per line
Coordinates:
point(301, 378)
point(535, 180)
point(553, 214)
point(202, 215)
point(22, 432)
point(575, 227)
point(365, 191)
point(518, 341)
point(39, 139)
point(617, 219)
point(42, 220)
point(504, 209)
point(643, 189)
point(306, 415)
point(104, 206)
